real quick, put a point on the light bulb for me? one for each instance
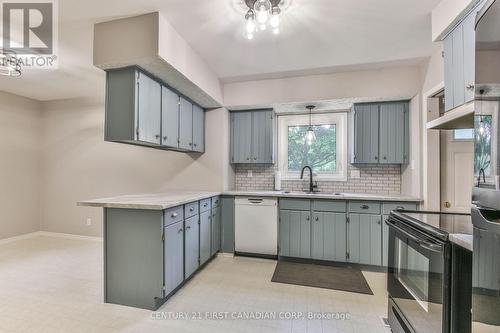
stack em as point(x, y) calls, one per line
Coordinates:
point(276, 31)
point(250, 26)
point(250, 36)
point(275, 20)
point(262, 27)
point(310, 136)
point(262, 14)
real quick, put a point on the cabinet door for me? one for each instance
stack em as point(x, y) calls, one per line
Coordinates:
point(365, 239)
point(169, 118)
point(458, 66)
point(469, 45)
point(148, 109)
point(329, 236)
point(392, 133)
point(192, 245)
point(174, 256)
point(205, 231)
point(448, 72)
point(385, 240)
point(241, 137)
point(406, 146)
point(262, 137)
point(366, 132)
point(216, 230)
point(198, 129)
point(295, 234)
point(185, 124)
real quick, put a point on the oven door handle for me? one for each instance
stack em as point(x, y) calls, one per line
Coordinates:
point(423, 244)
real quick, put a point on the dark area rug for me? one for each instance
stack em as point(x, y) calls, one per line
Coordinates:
point(320, 276)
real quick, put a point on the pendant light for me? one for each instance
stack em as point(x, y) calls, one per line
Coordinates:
point(310, 135)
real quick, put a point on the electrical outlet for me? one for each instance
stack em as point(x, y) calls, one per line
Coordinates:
point(250, 173)
point(89, 222)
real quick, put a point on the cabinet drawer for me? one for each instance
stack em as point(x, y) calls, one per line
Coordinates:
point(215, 202)
point(364, 207)
point(295, 204)
point(191, 209)
point(173, 215)
point(205, 205)
point(329, 206)
point(389, 206)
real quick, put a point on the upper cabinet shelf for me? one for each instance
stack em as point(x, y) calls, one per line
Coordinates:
point(381, 133)
point(140, 110)
point(252, 137)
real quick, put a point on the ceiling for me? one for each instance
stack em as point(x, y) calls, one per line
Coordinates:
point(316, 36)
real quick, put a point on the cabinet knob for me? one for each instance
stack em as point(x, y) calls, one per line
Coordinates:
point(191, 209)
point(248, 158)
point(180, 230)
point(364, 207)
point(317, 218)
point(385, 157)
point(188, 227)
point(157, 136)
point(165, 137)
point(307, 218)
point(378, 222)
point(195, 145)
point(470, 86)
point(255, 158)
point(190, 144)
point(376, 158)
point(174, 215)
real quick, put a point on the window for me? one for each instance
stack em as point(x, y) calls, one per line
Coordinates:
point(327, 155)
point(482, 144)
point(463, 134)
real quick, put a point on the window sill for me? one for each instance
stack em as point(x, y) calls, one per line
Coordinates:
point(316, 178)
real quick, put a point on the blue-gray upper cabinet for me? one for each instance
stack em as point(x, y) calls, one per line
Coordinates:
point(252, 137)
point(185, 124)
point(140, 110)
point(192, 245)
point(169, 118)
point(198, 129)
point(174, 256)
point(133, 107)
point(365, 239)
point(459, 52)
point(205, 236)
point(366, 131)
point(329, 236)
point(381, 133)
point(394, 133)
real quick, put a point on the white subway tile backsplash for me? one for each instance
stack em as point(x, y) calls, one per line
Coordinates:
point(373, 178)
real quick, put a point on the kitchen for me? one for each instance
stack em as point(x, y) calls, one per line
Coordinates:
point(159, 184)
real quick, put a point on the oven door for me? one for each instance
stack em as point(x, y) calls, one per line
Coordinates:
point(418, 279)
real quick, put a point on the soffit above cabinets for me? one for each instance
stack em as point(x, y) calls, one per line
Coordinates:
point(460, 117)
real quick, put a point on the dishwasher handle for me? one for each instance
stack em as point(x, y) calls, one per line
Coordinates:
point(255, 201)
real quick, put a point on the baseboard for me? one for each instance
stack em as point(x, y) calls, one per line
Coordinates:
point(70, 236)
point(20, 237)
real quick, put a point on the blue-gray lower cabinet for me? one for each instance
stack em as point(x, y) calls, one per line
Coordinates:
point(295, 234)
point(191, 245)
point(385, 240)
point(216, 230)
point(365, 239)
point(205, 235)
point(227, 216)
point(174, 256)
point(329, 236)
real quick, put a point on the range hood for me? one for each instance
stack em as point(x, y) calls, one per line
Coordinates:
point(460, 117)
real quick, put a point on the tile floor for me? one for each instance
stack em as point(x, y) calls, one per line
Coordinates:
point(52, 284)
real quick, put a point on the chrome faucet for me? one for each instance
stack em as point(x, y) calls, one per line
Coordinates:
point(312, 187)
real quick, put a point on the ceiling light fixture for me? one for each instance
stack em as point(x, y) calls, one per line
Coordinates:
point(260, 14)
point(310, 135)
point(9, 63)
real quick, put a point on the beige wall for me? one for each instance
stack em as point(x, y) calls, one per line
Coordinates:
point(19, 165)
point(77, 164)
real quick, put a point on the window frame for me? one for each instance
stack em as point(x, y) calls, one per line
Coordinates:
point(339, 118)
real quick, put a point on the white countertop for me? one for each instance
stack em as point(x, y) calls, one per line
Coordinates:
point(464, 240)
point(164, 200)
point(324, 195)
point(150, 201)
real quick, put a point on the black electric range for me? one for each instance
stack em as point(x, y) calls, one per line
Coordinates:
point(423, 296)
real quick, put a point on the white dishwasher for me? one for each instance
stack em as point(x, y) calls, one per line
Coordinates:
point(256, 226)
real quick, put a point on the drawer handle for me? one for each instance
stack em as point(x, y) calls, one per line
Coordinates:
point(191, 209)
point(364, 207)
point(307, 218)
point(188, 227)
point(316, 219)
point(173, 215)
